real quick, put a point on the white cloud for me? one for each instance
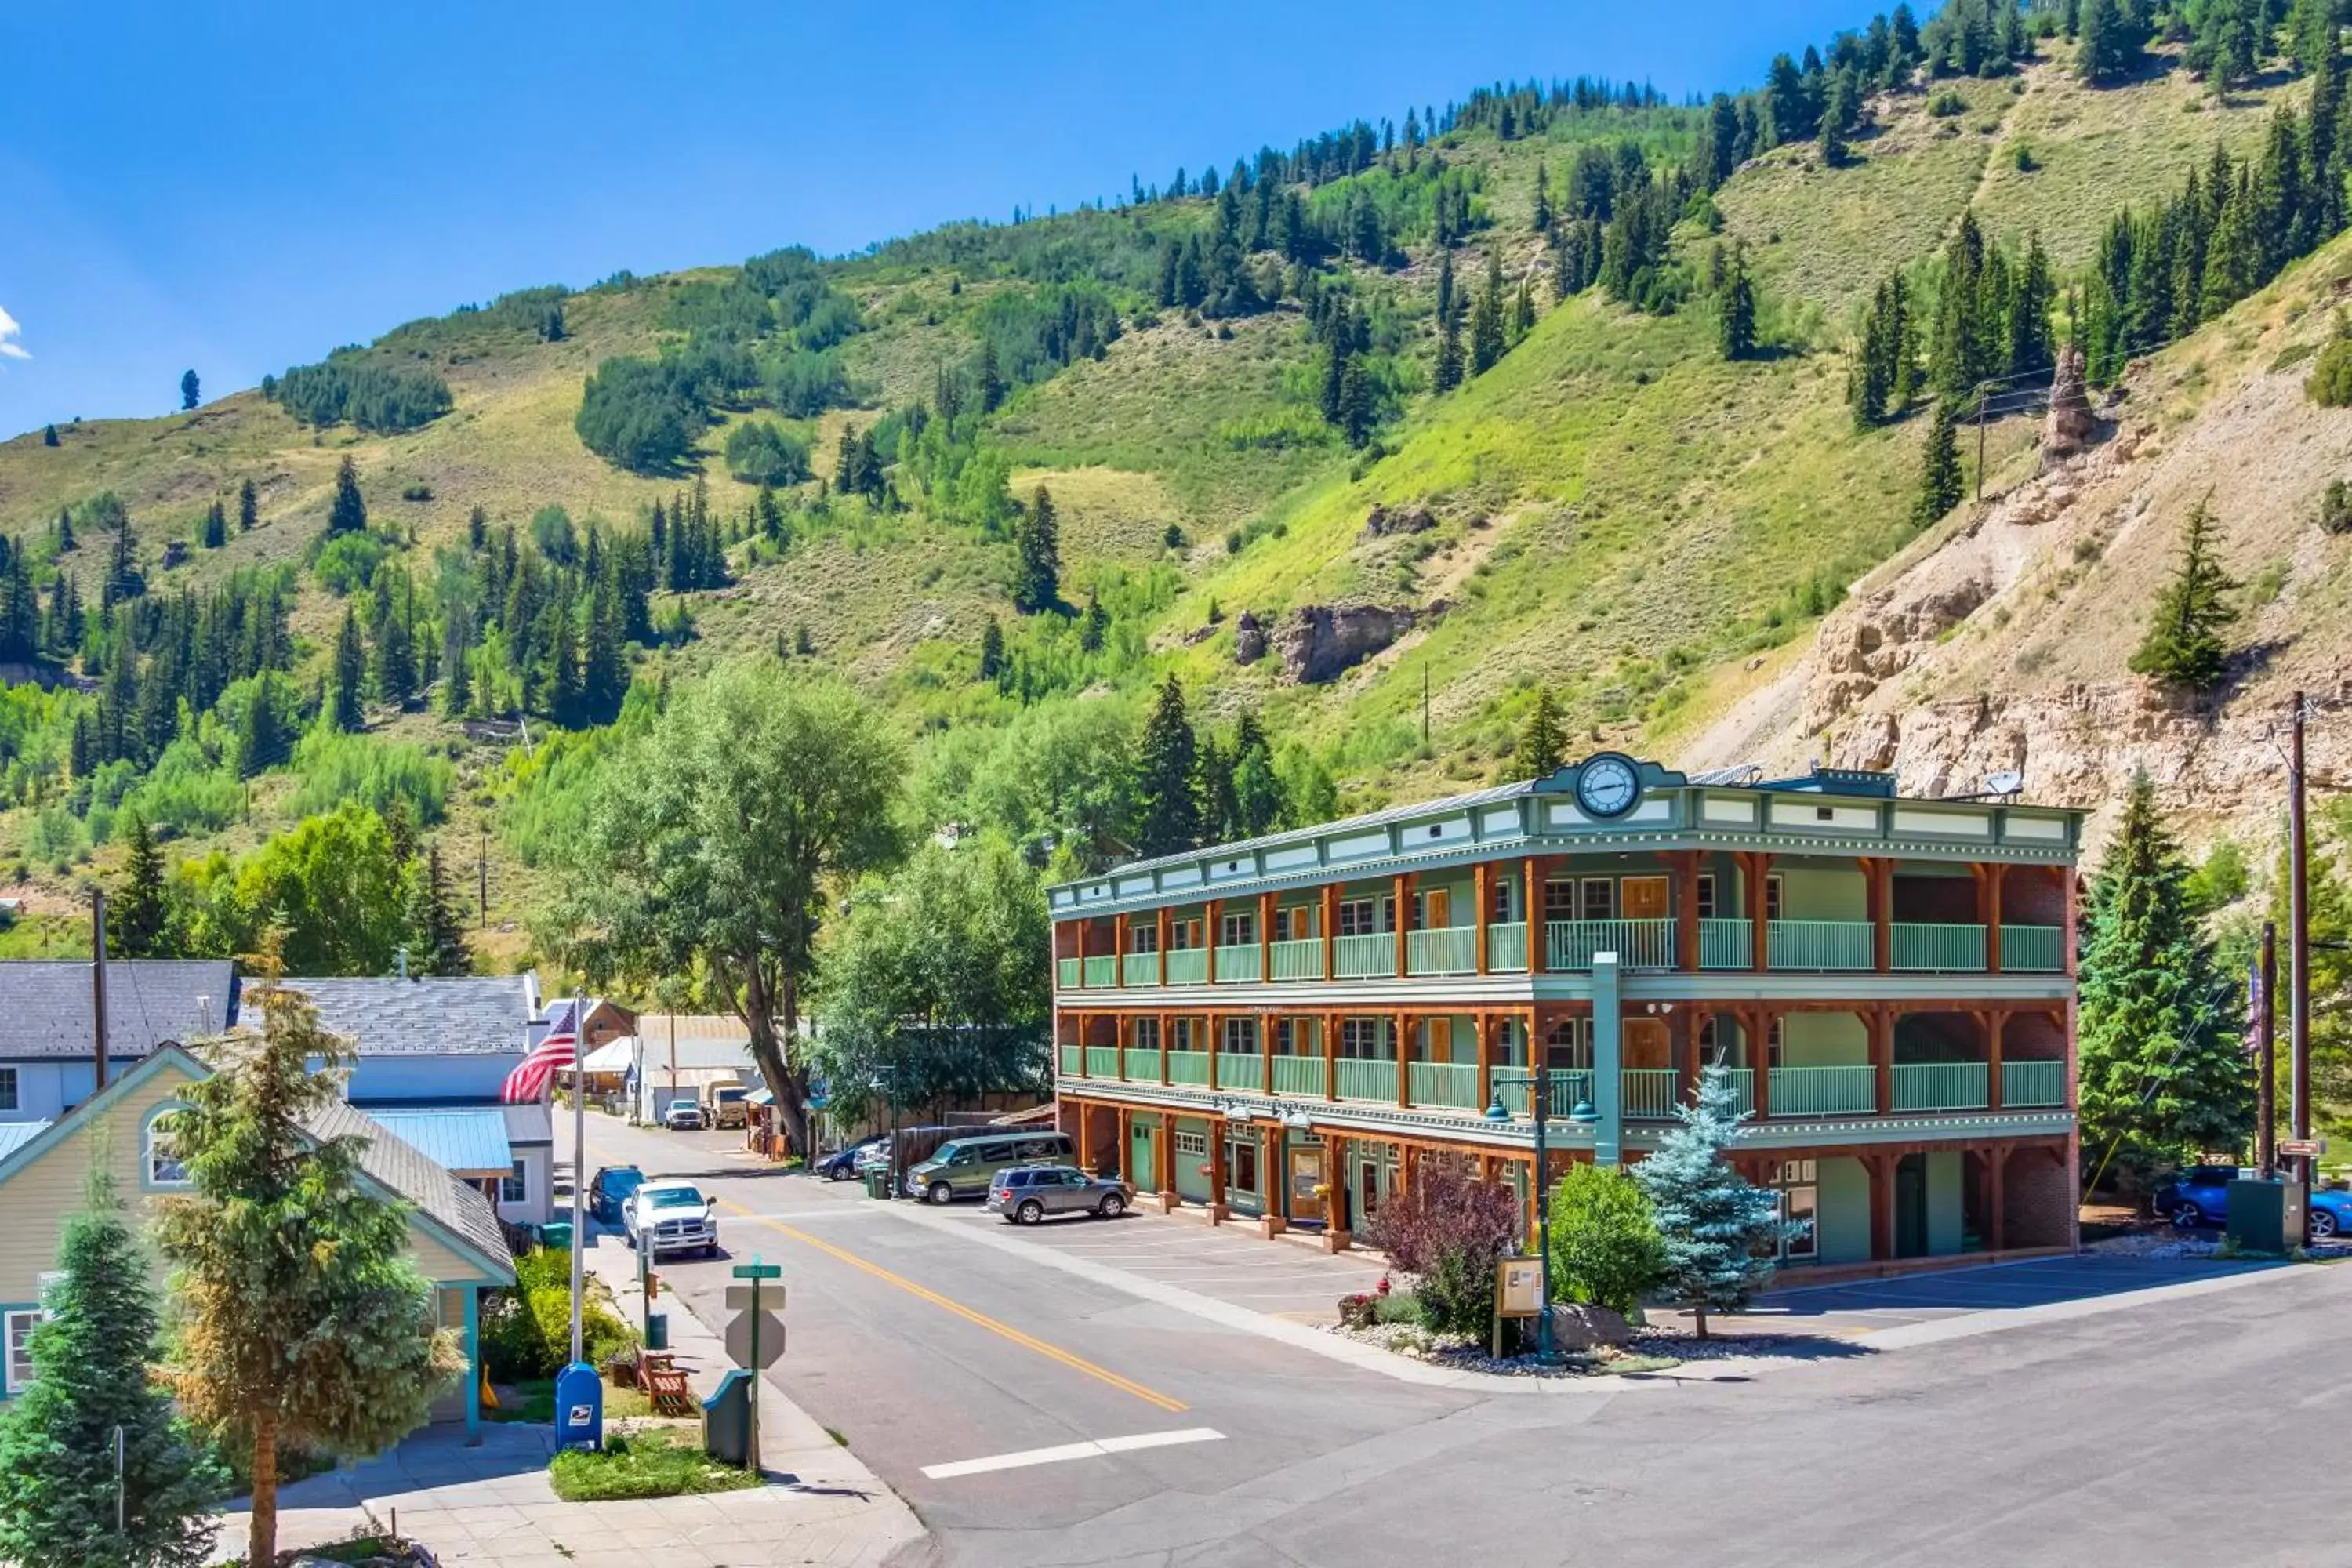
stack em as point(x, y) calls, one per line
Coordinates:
point(9, 347)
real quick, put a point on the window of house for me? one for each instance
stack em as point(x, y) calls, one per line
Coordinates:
point(515, 1188)
point(1772, 1044)
point(1360, 917)
point(1240, 1164)
point(1297, 923)
point(1236, 930)
point(1559, 901)
point(1772, 885)
point(1183, 935)
point(1182, 1034)
point(1598, 899)
point(1499, 903)
point(1359, 1037)
point(8, 1089)
point(1193, 1145)
point(1706, 895)
point(1241, 1036)
point(1568, 1046)
point(1143, 939)
point(164, 1166)
point(1147, 1033)
point(1707, 1038)
point(18, 1328)
point(1800, 1203)
point(1285, 1037)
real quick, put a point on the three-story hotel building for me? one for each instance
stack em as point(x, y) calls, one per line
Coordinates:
point(1284, 1029)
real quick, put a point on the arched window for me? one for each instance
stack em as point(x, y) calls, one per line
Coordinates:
point(164, 1167)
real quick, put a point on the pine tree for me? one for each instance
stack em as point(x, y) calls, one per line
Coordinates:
point(435, 931)
point(396, 654)
point(189, 389)
point(1038, 583)
point(348, 515)
point(1543, 745)
point(1736, 318)
point(991, 652)
point(457, 657)
point(214, 532)
point(1486, 319)
point(1540, 220)
point(1448, 373)
point(301, 1321)
point(1941, 483)
point(350, 673)
point(2161, 1075)
point(249, 507)
point(1721, 1231)
point(1445, 300)
point(138, 911)
point(1167, 790)
point(57, 1438)
point(2183, 645)
point(1358, 403)
point(49, 436)
point(1093, 625)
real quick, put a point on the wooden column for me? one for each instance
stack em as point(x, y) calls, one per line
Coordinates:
point(1535, 872)
point(1881, 1025)
point(1882, 1206)
point(1403, 1060)
point(1759, 1061)
point(1482, 882)
point(1878, 898)
point(1996, 1024)
point(1079, 1019)
point(1082, 924)
point(1266, 1023)
point(1165, 1041)
point(1996, 1174)
point(1210, 935)
point(1266, 939)
point(1118, 942)
point(1335, 1218)
point(1330, 1056)
point(1217, 1168)
point(1755, 866)
point(1163, 1157)
point(1216, 1041)
point(1995, 875)
point(1086, 1138)
point(1686, 1048)
point(1126, 1143)
point(1118, 1031)
point(1685, 863)
point(2068, 932)
point(1330, 931)
point(1164, 922)
point(1486, 1025)
point(1402, 892)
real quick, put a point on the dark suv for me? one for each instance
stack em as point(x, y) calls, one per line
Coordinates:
point(1027, 1195)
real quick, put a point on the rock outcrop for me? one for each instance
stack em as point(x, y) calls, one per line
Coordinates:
point(1382, 522)
point(2070, 424)
point(1249, 638)
point(1321, 642)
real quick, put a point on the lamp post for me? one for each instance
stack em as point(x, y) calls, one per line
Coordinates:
point(1538, 1082)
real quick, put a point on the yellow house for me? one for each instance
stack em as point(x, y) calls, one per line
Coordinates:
point(453, 1231)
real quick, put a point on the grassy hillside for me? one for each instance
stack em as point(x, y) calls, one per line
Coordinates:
point(1620, 513)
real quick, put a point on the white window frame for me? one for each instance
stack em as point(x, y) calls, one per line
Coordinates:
point(16, 1327)
point(1600, 891)
point(1360, 917)
point(1189, 1145)
point(1146, 1036)
point(1239, 1037)
point(514, 1188)
point(1360, 1038)
point(1143, 939)
point(1775, 896)
point(1706, 895)
point(1237, 928)
point(11, 1090)
point(1798, 1182)
point(152, 1159)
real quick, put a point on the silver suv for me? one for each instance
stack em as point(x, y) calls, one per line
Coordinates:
point(1027, 1195)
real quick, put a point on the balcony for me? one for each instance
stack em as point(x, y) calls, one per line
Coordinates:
point(1102, 1061)
point(1074, 1059)
point(1507, 948)
point(1938, 948)
point(1725, 944)
point(1239, 962)
point(1443, 1085)
point(1299, 1076)
point(1819, 945)
point(1102, 973)
point(1940, 1086)
point(2028, 1085)
point(2033, 950)
point(1825, 1091)
point(1299, 959)
point(1066, 973)
point(1143, 1064)
point(1237, 1069)
point(1650, 1093)
point(1139, 969)
point(1362, 1080)
point(1443, 949)
point(1743, 1088)
point(1368, 957)
point(1569, 1088)
point(1188, 1068)
point(1187, 966)
point(1638, 945)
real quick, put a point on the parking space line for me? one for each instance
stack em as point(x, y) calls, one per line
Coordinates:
point(1027, 1341)
point(1071, 1451)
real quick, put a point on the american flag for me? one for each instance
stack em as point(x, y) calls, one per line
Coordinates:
point(559, 1049)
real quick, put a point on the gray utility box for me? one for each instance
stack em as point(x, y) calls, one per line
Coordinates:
point(2266, 1216)
point(727, 1419)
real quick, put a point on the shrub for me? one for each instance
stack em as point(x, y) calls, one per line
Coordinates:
point(1947, 105)
point(2330, 384)
point(527, 1332)
point(2336, 507)
point(1605, 1248)
point(760, 452)
point(417, 492)
point(1449, 1231)
point(347, 563)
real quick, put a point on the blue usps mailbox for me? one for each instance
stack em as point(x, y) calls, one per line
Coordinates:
point(579, 1407)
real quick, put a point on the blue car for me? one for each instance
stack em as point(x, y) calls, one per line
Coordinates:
point(2201, 1195)
point(841, 1165)
point(610, 1190)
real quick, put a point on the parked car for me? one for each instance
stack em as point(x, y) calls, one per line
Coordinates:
point(670, 1216)
point(966, 1165)
point(609, 1190)
point(1029, 1194)
point(2330, 1211)
point(683, 1116)
point(726, 1104)
point(2198, 1195)
point(842, 1164)
point(875, 1153)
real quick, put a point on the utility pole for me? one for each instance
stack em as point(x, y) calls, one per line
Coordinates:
point(98, 981)
point(2266, 1095)
point(1425, 704)
point(2298, 941)
point(482, 869)
point(1980, 437)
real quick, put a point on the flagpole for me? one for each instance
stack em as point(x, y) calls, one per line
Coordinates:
point(579, 1173)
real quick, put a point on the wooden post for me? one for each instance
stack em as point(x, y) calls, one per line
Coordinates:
point(1485, 1028)
point(1686, 868)
point(1082, 923)
point(1213, 937)
point(1163, 1159)
point(1216, 1043)
point(1267, 1025)
point(1996, 875)
point(1118, 1022)
point(1126, 1143)
point(1216, 1169)
point(1757, 866)
point(1759, 1061)
point(1165, 922)
point(1878, 897)
point(1330, 1056)
point(1265, 938)
point(1403, 1061)
point(1534, 876)
point(1882, 1206)
point(1403, 893)
point(1996, 1024)
point(1165, 1041)
point(1085, 1137)
point(1331, 931)
point(2066, 932)
point(1079, 1019)
point(1882, 1055)
point(1482, 881)
point(1118, 942)
point(1335, 1207)
point(1996, 1174)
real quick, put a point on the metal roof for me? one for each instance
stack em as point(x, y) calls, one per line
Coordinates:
point(14, 1135)
point(470, 1142)
point(149, 1001)
point(396, 1164)
point(1328, 829)
point(427, 1015)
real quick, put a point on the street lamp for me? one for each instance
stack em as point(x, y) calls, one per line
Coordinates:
point(1540, 1084)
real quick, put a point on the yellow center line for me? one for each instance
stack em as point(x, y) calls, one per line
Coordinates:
point(1027, 1341)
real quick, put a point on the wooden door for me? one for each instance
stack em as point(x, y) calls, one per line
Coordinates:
point(1436, 910)
point(1646, 1045)
point(1306, 1175)
point(1643, 899)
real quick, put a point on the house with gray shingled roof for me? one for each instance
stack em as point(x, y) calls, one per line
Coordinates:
point(48, 1052)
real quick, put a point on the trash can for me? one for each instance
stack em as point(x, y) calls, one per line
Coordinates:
point(727, 1419)
point(657, 1330)
point(556, 1235)
point(877, 1181)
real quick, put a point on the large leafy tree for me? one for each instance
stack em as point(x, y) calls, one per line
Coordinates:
point(934, 983)
point(2162, 1075)
point(58, 1486)
point(300, 1320)
point(333, 886)
point(1605, 1246)
point(1037, 586)
point(716, 843)
point(1719, 1229)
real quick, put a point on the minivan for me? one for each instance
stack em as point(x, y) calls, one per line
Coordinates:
point(962, 1166)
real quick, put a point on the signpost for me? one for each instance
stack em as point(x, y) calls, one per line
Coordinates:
point(2303, 1147)
point(755, 1338)
point(1519, 1293)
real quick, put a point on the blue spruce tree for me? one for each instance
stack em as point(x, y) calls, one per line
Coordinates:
point(1721, 1230)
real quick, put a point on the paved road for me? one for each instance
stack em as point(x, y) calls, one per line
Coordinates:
point(2188, 1432)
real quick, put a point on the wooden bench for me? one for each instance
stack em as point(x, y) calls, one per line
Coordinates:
point(666, 1388)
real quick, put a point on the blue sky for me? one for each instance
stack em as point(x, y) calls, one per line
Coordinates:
point(236, 187)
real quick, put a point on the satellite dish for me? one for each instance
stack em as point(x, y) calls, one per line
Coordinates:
point(2007, 783)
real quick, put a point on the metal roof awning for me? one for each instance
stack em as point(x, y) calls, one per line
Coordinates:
point(613, 1056)
point(761, 1096)
point(14, 1135)
point(464, 1142)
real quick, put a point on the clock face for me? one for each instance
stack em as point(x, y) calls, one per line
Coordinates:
point(1608, 786)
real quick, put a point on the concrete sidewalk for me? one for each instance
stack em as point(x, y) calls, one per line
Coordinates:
point(494, 1504)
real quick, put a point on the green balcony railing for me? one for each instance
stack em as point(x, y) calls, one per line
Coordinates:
point(1638, 945)
point(1188, 1067)
point(1236, 1070)
point(1299, 959)
point(1443, 949)
point(1726, 943)
point(2033, 950)
point(1102, 972)
point(1139, 969)
point(1102, 1061)
point(1569, 1088)
point(1743, 1088)
point(1940, 949)
point(1073, 1060)
point(1940, 1086)
point(1298, 1074)
point(1819, 945)
point(1451, 1086)
point(1368, 957)
point(1650, 1093)
point(1143, 1064)
point(1825, 1091)
point(1361, 1079)
point(1239, 961)
point(1065, 974)
point(2029, 1084)
point(1507, 948)
point(1187, 966)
